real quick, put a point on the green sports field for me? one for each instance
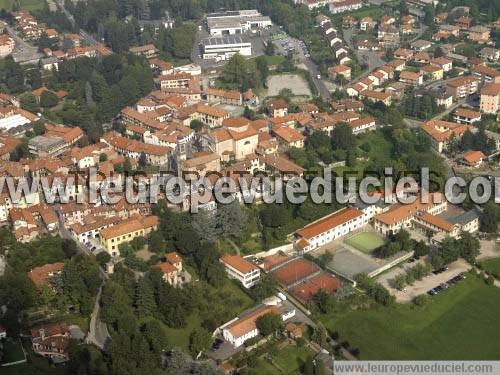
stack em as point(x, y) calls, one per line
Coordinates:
point(365, 241)
point(459, 323)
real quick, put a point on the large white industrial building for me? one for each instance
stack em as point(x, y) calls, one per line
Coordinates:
point(236, 22)
point(223, 47)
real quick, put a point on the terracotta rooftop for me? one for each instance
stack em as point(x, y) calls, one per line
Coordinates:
point(42, 275)
point(328, 222)
point(239, 263)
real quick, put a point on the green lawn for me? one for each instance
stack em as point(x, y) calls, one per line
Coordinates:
point(36, 366)
point(365, 241)
point(460, 323)
point(288, 360)
point(12, 351)
point(30, 5)
point(292, 358)
point(492, 265)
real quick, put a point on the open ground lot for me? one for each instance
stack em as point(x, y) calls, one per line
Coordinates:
point(365, 241)
point(294, 82)
point(459, 323)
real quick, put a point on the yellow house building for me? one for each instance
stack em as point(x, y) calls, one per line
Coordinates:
point(126, 231)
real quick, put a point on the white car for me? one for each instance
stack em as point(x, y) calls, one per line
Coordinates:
point(319, 76)
point(281, 296)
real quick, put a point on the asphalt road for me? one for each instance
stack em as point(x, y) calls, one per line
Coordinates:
point(86, 36)
point(23, 51)
point(98, 332)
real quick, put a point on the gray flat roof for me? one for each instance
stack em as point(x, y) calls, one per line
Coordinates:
point(222, 40)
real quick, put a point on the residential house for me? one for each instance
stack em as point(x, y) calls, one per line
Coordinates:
point(420, 45)
point(466, 116)
point(237, 267)
point(201, 163)
point(367, 23)
point(126, 231)
point(42, 275)
point(411, 78)
point(288, 137)
point(231, 97)
point(463, 23)
point(479, 34)
point(403, 54)
point(244, 328)
point(345, 6)
point(473, 159)
point(462, 87)
point(491, 54)
point(213, 117)
point(490, 98)
point(147, 50)
point(277, 108)
point(441, 132)
point(432, 72)
point(443, 63)
point(51, 341)
point(339, 70)
point(486, 74)
point(171, 269)
point(376, 96)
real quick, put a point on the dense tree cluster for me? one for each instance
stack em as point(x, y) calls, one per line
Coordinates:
point(422, 107)
point(99, 89)
point(244, 74)
point(396, 242)
point(450, 249)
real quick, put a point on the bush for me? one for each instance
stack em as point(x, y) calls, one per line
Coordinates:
point(251, 342)
point(490, 280)
point(420, 300)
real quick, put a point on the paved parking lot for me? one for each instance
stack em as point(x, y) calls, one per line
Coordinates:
point(420, 286)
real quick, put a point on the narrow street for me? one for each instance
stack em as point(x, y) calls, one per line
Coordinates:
point(98, 331)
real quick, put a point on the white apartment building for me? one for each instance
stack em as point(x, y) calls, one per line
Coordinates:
point(244, 327)
point(241, 269)
point(329, 228)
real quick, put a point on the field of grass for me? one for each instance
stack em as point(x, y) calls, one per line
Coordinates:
point(12, 351)
point(36, 366)
point(30, 5)
point(492, 265)
point(365, 241)
point(288, 360)
point(459, 323)
point(292, 358)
